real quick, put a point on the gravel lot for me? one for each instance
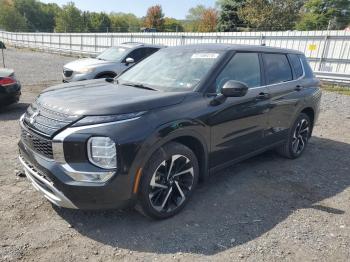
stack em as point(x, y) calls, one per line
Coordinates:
point(264, 209)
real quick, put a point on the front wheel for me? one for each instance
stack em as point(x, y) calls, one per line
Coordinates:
point(168, 181)
point(298, 138)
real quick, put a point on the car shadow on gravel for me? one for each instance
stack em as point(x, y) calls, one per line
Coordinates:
point(235, 206)
point(12, 112)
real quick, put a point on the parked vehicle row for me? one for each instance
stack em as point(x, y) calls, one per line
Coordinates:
point(147, 137)
point(110, 63)
point(10, 87)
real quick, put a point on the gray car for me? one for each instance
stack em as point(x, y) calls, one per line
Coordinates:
point(110, 63)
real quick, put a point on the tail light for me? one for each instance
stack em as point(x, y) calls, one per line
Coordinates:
point(7, 81)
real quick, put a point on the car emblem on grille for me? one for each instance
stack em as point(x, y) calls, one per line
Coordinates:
point(33, 116)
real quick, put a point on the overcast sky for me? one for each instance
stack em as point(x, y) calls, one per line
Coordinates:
point(171, 8)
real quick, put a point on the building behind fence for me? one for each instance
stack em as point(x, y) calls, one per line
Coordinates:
point(327, 51)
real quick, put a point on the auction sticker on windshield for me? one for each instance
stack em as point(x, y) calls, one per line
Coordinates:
point(204, 56)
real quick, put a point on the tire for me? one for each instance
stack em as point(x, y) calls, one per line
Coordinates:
point(298, 138)
point(163, 194)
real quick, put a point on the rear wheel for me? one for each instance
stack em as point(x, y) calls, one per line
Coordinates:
point(168, 181)
point(298, 138)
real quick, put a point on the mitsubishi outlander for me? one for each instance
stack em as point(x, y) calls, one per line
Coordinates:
point(147, 137)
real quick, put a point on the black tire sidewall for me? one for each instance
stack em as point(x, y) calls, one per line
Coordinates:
point(290, 138)
point(164, 153)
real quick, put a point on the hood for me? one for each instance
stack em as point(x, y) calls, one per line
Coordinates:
point(86, 62)
point(98, 97)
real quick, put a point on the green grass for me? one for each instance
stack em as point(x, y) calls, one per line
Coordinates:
point(344, 90)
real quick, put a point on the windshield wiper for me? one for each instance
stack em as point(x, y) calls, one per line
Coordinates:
point(139, 86)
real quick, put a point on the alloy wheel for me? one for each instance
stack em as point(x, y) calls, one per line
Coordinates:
point(171, 183)
point(300, 136)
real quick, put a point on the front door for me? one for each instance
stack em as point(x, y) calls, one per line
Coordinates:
point(238, 124)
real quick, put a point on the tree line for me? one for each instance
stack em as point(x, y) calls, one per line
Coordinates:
point(228, 15)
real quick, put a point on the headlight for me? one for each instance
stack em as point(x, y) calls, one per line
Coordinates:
point(92, 120)
point(102, 152)
point(85, 70)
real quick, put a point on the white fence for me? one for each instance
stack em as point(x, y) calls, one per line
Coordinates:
point(327, 51)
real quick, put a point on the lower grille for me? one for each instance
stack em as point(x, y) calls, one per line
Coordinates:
point(38, 144)
point(45, 186)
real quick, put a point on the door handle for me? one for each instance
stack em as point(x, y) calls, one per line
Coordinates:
point(298, 88)
point(263, 96)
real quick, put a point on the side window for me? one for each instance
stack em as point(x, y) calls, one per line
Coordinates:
point(277, 68)
point(307, 68)
point(151, 51)
point(296, 64)
point(138, 54)
point(243, 67)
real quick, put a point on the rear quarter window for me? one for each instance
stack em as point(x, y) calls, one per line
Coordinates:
point(277, 68)
point(308, 71)
point(296, 65)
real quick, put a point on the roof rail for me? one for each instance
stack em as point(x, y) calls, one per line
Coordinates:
point(132, 43)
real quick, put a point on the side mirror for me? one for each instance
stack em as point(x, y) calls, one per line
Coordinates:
point(129, 60)
point(231, 88)
point(2, 45)
point(234, 88)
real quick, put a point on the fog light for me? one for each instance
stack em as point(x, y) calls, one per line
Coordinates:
point(91, 177)
point(102, 152)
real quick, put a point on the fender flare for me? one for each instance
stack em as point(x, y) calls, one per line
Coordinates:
point(155, 142)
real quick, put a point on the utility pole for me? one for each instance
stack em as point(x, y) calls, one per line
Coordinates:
point(3, 57)
point(329, 24)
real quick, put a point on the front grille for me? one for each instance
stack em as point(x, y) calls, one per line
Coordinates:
point(67, 72)
point(45, 121)
point(36, 143)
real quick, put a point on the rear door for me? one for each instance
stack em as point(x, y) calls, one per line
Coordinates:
point(282, 85)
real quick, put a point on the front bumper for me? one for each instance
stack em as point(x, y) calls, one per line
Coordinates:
point(52, 180)
point(47, 188)
point(77, 77)
point(69, 155)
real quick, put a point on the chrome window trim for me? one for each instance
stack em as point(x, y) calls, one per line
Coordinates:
point(290, 81)
point(280, 83)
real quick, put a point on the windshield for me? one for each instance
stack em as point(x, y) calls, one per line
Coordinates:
point(113, 54)
point(171, 70)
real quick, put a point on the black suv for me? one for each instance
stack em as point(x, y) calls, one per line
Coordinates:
point(149, 136)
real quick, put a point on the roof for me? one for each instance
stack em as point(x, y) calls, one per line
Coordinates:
point(226, 47)
point(138, 44)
